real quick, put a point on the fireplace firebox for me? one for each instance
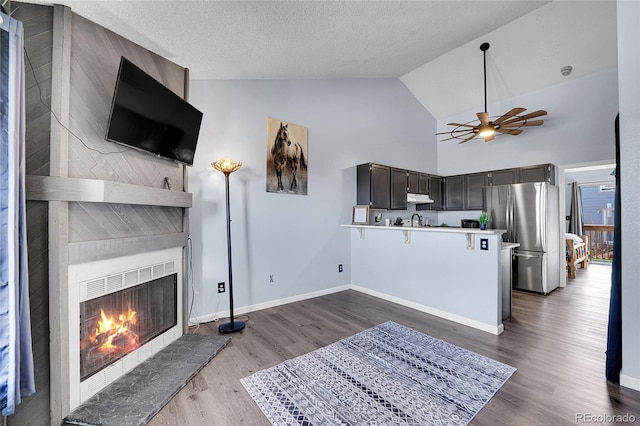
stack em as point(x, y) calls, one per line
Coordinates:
point(113, 325)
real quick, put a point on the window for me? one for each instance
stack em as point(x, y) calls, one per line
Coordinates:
point(597, 204)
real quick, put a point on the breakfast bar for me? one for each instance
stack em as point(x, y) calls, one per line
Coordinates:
point(453, 273)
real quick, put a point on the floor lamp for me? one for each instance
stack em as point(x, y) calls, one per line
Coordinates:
point(227, 166)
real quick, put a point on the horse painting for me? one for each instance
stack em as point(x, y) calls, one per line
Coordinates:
point(287, 156)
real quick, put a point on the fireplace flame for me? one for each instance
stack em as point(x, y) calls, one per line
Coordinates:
point(115, 333)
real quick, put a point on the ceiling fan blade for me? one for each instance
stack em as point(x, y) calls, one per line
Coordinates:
point(455, 131)
point(513, 113)
point(527, 123)
point(483, 117)
point(489, 138)
point(509, 131)
point(454, 137)
point(534, 114)
point(460, 125)
point(468, 139)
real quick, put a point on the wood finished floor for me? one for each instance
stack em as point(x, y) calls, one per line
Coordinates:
point(556, 342)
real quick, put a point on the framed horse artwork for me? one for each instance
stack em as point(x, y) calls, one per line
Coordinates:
point(287, 157)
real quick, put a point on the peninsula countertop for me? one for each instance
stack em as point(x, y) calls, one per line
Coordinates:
point(448, 229)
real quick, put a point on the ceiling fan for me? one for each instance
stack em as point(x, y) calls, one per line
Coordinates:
point(508, 124)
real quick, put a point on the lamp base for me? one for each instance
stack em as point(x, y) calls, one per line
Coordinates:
point(231, 327)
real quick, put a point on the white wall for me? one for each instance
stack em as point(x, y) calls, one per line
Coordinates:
point(629, 86)
point(577, 129)
point(297, 239)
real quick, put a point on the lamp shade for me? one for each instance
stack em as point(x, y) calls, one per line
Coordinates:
point(226, 165)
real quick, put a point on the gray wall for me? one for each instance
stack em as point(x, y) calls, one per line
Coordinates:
point(629, 86)
point(297, 239)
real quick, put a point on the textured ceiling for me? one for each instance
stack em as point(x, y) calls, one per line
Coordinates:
point(432, 45)
point(300, 39)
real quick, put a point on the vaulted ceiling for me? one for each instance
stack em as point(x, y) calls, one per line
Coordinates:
point(433, 46)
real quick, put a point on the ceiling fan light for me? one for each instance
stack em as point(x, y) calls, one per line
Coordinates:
point(486, 130)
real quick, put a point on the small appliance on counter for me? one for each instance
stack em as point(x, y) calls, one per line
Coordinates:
point(469, 223)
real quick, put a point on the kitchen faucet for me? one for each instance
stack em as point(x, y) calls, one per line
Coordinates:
point(419, 219)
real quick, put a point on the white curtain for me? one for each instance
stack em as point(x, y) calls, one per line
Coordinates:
point(16, 356)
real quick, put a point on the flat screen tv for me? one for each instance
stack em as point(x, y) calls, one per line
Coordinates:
point(148, 116)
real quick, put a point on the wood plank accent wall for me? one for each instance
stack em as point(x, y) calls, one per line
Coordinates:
point(68, 158)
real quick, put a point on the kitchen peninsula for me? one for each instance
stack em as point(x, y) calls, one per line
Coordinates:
point(453, 273)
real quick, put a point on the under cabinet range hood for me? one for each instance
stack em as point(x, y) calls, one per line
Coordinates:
point(418, 198)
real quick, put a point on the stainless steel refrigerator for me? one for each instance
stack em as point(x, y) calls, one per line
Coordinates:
point(529, 213)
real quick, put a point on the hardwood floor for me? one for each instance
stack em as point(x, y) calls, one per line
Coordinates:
point(556, 342)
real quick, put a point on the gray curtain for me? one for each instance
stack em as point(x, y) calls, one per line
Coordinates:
point(16, 356)
point(575, 215)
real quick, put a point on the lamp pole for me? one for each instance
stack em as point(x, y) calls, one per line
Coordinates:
point(227, 167)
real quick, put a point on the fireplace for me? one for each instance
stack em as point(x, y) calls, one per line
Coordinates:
point(116, 324)
point(122, 311)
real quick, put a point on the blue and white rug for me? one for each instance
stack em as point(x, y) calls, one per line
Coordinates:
point(386, 375)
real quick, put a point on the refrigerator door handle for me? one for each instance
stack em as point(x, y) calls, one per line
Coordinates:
point(512, 208)
point(529, 256)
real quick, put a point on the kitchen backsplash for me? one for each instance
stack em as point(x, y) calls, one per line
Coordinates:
point(434, 218)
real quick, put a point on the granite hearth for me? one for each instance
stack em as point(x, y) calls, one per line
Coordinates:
point(137, 396)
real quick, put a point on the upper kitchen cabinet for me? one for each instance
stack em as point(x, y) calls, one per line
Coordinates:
point(413, 182)
point(381, 187)
point(398, 189)
point(504, 177)
point(433, 187)
point(417, 183)
point(374, 186)
point(472, 190)
point(454, 190)
point(424, 186)
point(539, 173)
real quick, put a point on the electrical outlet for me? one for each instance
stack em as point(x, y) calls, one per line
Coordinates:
point(484, 244)
point(340, 267)
point(221, 287)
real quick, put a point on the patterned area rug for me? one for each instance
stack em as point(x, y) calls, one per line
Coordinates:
point(386, 375)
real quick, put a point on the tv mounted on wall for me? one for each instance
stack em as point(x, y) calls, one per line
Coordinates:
point(148, 116)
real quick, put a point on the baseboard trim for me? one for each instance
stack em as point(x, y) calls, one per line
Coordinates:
point(630, 382)
point(496, 330)
point(270, 304)
point(433, 311)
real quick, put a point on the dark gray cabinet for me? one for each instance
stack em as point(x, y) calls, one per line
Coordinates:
point(381, 187)
point(373, 186)
point(413, 182)
point(417, 183)
point(384, 187)
point(472, 190)
point(504, 177)
point(398, 189)
point(454, 190)
point(539, 173)
point(433, 187)
point(423, 187)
